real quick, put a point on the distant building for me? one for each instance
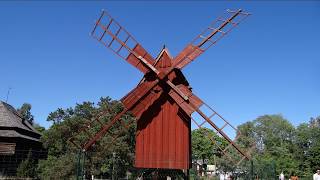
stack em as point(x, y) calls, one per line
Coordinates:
point(17, 139)
point(209, 170)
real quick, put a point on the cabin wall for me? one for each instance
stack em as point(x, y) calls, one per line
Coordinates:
point(10, 162)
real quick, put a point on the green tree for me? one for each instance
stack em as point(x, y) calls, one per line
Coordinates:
point(27, 167)
point(25, 112)
point(205, 145)
point(62, 155)
point(274, 137)
point(315, 122)
point(59, 115)
point(308, 151)
point(39, 128)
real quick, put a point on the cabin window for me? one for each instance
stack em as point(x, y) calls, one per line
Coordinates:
point(7, 148)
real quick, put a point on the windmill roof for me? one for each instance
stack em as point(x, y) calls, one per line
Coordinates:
point(159, 62)
point(163, 50)
point(13, 125)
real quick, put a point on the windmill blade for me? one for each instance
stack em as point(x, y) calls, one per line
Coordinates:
point(112, 35)
point(185, 103)
point(203, 116)
point(206, 117)
point(217, 29)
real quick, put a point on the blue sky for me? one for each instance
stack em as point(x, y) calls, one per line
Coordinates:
point(267, 65)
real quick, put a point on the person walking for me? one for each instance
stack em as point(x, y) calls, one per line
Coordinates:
point(221, 176)
point(316, 176)
point(281, 177)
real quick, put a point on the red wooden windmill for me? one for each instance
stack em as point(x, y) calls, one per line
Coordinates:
point(163, 103)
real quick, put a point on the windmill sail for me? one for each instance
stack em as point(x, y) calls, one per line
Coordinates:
point(212, 34)
point(203, 116)
point(112, 35)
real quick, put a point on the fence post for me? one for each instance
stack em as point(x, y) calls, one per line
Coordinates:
point(80, 165)
point(274, 170)
point(251, 169)
point(114, 175)
point(83, 164)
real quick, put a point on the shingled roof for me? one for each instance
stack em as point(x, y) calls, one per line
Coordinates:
point(13, 125)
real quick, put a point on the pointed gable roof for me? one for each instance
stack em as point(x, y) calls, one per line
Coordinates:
point(13, 125)
point(163, 59)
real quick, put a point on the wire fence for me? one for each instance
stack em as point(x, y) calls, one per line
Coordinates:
point(10, 163)
point(251, 171)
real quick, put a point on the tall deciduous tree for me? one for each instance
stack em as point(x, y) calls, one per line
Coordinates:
point(308, 147)
point(292, 150)
point(274, 137)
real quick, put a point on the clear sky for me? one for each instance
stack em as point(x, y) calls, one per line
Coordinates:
point(267, 65)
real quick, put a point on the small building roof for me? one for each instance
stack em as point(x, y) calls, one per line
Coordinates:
point(13, 125)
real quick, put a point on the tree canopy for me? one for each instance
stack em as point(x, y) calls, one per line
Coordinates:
point(25, 112)
point(203, 147)
point(292, 150)
point(62, 156)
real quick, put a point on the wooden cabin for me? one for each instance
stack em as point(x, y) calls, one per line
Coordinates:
point(17, 139)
